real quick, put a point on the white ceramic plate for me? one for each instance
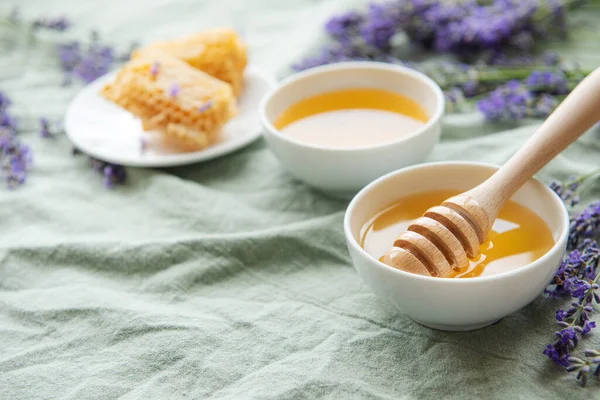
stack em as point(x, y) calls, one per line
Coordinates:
point(105, 131)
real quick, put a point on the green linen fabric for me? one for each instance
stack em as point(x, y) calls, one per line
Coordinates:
point(229, 279)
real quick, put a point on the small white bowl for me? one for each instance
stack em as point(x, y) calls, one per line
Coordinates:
point(345, 171)
point(446, 303)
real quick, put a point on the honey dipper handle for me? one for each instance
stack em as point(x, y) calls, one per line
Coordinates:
point(575, 115)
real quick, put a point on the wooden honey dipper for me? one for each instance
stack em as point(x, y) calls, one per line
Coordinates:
point(446, 236)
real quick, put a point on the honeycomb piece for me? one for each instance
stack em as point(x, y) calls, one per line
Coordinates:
point(186, 105)
point(218, 52)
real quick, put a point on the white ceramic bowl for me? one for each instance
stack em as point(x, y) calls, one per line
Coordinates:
point(454, 304)
point(345, 171)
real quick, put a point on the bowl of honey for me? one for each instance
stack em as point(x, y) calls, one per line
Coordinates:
point(523, 252)
point(340, 126)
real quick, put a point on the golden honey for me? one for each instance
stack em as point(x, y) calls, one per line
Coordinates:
point(352, 118)
point(518, 236)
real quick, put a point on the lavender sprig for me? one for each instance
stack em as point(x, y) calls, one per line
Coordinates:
point(585, 225)
point(113, 174)
point(77, 61)
point(512, 101)
point(340, 26)
point(591, 365)
point(464, 28)
point(568, 190)
point(16, 158)
point(85, 63)
point(577, 277)
point(48, 129)
point(535, 97)
point(548, 82)
point(54, 24)
point(88, 62)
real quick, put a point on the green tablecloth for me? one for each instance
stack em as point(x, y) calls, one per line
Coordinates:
point(228, 279)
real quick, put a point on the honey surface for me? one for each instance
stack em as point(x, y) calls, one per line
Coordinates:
point(518, 235)
point(352, 118)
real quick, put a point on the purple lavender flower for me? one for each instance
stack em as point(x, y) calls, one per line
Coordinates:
point(577, 266)
point(174, 90)
point(7, 120)
point(577, 277)
point(16, 158)
point(112, 174)
point(155, 68)
point(583, 373)
point(70, 55)
point(567, 337)
point(488, 27)
point(87, 63)
point(5, 102)
point(568, 193)
point(55, 24)
point(203, 108)
point(467, 28)
point(511, 101)
point(345, 24)
point(587, 327)
point(575, 257)
point(556, 354)
point(442, 13)
point(578, 288)
point(561, 315)
point(45, 128)
point(380, 25)
point(95, 62)
point(583, 368)
point(585, 225)
point(428, 22)
point(548, 82)
point(560, 350)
